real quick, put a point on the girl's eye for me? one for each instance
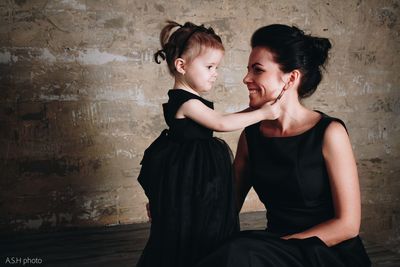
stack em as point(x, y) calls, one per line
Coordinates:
point(209, 67)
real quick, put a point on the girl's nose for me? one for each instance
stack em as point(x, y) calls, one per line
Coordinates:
point(215, 73)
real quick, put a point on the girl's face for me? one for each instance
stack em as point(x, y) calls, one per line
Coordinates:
point(264, 79)
point(201, 72)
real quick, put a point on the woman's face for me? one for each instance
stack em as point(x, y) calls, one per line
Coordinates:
point(264, 79)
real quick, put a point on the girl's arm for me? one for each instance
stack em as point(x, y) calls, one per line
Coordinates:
point(241, 170)
point(200, 113)
point(343, 177)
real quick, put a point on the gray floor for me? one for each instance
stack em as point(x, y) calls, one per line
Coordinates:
point(116, 246)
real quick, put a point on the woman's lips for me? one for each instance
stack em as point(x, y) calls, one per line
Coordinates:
point(253, 91)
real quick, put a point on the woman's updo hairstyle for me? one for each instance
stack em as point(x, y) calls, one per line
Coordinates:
point(292, 49)
point(187, 41)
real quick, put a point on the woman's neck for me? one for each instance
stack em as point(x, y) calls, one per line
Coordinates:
point(295, 118)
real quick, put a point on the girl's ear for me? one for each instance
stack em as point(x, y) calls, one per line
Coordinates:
point(180, 65)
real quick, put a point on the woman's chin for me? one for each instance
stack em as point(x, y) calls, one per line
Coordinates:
point(255, 104)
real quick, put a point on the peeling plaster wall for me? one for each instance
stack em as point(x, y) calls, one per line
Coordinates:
point(80, 100)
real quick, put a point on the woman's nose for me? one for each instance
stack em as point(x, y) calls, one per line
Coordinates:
point(246, 79)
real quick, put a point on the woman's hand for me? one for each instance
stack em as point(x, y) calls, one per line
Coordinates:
point(293, 236)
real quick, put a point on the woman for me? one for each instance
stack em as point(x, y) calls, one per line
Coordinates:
point(301, 165)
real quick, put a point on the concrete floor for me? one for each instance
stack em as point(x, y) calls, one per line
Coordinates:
point(116, 246)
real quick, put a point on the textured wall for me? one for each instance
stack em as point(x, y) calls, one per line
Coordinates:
point(80, 100)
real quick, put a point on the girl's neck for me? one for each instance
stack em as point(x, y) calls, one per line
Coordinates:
point(184, 86)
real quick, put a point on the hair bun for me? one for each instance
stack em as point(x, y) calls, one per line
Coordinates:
point(319, 49)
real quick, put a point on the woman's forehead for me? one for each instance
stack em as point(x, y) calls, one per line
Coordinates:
point(260, 55)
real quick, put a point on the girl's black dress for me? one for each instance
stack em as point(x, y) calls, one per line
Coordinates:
point(187, 176)
point(290, 178)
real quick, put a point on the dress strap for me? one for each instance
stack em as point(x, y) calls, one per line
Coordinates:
point(176, 99)
point(326, 120)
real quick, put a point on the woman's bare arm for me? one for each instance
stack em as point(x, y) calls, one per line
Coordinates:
point(241, 170)
point(343, 177)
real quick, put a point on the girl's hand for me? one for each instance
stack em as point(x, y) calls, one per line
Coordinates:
point(271, 110)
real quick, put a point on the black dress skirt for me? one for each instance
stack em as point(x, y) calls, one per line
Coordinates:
point(187, 176)
point(290, 178)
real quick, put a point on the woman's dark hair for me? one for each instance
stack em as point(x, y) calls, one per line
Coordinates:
point(187, 41)
point(292, 49)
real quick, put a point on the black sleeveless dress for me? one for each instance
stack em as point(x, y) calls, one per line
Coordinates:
point(187, 176)
point(290, 178)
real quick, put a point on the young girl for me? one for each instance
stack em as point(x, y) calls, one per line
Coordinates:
point(186, 172)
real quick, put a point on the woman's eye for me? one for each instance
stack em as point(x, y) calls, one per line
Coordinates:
point(257, 70)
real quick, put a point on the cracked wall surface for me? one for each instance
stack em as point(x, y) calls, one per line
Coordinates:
point(81, 99)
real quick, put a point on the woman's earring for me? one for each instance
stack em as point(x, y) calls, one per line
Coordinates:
point(279, 96)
